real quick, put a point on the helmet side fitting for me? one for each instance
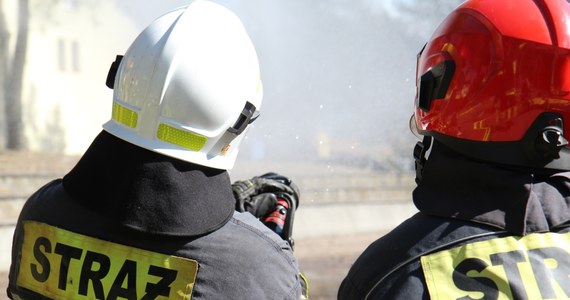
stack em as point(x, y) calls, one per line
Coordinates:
point(496, 87)
point(188, 86)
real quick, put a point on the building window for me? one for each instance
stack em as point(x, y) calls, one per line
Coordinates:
point(68, 56)
point(70, 4)
point(75, 56)
point(61, 55)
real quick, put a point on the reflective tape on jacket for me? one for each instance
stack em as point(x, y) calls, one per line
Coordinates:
point(61, 264)
point(536, 266)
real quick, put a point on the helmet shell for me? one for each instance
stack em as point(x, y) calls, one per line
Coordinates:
point(491, 69)
point(512, 63)
point(184, 82)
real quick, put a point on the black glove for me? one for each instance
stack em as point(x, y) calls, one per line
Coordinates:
point(263, 196)
point(247, 199)
point(258, 195)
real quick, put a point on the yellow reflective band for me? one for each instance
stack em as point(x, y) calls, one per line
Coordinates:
point(181, 138)
point(125, 116)
point(60, 264)
point(536, 266)
point(305, 284)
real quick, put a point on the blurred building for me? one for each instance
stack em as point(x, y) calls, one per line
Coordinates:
point(71, 45)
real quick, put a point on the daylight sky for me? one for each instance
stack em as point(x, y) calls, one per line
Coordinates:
point(336, 73)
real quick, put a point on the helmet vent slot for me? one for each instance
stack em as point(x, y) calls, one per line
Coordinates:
point(434, 83)
point(247, 116)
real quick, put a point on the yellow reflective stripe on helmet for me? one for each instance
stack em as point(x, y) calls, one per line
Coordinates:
point(61, 264)
point(535, 266)
point(125, 116)
point(181, 138)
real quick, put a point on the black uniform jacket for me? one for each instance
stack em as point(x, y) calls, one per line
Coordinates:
point(127, 223)
point(483, 232)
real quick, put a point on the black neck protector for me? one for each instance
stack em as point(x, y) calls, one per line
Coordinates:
point(514, 199)
point(150, 192)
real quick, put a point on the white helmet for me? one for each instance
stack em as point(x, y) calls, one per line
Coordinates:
point(188, 86)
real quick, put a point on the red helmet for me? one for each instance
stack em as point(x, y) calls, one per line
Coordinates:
point(493, 82)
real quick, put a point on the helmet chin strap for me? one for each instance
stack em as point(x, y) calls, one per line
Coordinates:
point(420, 151)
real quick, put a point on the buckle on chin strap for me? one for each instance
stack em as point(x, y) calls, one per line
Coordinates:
point(420, 151)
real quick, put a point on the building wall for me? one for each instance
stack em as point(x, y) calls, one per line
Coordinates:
point(71, 46)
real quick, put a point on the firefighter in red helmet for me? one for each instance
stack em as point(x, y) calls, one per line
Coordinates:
point(493, 180)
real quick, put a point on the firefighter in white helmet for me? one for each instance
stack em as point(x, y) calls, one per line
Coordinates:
point(148, 211)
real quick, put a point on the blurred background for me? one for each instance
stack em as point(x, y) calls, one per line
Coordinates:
point(339, 84)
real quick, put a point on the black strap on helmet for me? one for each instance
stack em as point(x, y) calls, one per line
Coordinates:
point(113, 72)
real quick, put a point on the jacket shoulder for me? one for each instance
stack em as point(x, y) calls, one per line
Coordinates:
point(400, 251)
